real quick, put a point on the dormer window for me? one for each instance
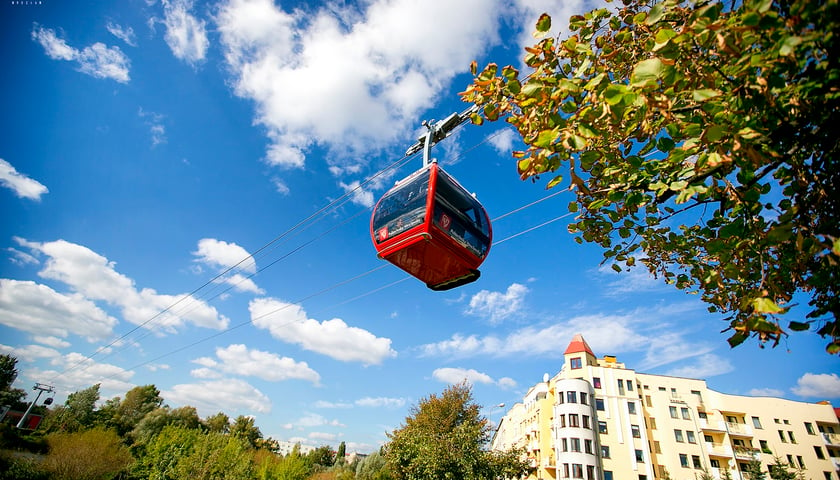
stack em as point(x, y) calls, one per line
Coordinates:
point(575, 363)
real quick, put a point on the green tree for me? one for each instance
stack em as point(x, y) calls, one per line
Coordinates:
point(268, 466)
point(700, 140)
point(323, 456)
point(77, 413)
point(373, 467)
point(780, 470)
point(752, 470)
point(342, 452)
point(123, 415)
point(219, 423)
point(445, 437)
point(95, 454)
point(13, 397)
point(154, 422)
point(244, 427)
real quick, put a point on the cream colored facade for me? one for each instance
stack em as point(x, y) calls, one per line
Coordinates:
point(597, 419)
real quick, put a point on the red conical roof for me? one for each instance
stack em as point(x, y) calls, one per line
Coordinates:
point(578, 345)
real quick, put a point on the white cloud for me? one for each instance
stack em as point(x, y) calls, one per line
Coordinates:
point(819, 385)
point(156, 127)
point(765, 392)
point(40, 310)
point(221, 254)
point(96, 60)
point(507, 383)
point(637, 279)
point(21, 258)
point(220, 395)
point(334, 338)
point(328, 437)
point(497, 306)
point(185, 35)
point(238, 359)
point(502, 141)
point(381, 402)
point(357, 83)
point(704, 366)
point(359, 195)
point(29, 353)
point(126, 34)
point(326, 404)
point(205, 373)
point(23, 186)
point(458, 375)
point(94, 277)
point(76, 371)
point(54, 342)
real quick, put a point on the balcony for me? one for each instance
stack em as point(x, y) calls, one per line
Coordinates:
point(719, 450)
point(712, 426)
point(832, 439)
point(746, 453)
point(739, 429)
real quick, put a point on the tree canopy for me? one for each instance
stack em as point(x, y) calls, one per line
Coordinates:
point(445, 438)
point(700, 140)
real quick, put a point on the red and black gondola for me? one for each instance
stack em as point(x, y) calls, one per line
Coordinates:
point(432, 228)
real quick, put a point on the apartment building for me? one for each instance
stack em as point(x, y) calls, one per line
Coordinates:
point(597, 419)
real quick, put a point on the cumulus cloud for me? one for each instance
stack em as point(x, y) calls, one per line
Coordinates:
point(497, 306)
point(126, 34)
point(471, 376)
point(703, 366)
point(75, 371)
point(224, 255)
point(29, 353)
point(358, 83)
point(96, 60)
point(185, 34)
point(20, 184)
point(381, 402)
point(238, 359)
point(40, 310)
point(95, 278)
point(226, 394)
point(818, 385)
point(49, 341)
point(334, 338)
point(310, 420)
point(502, 141)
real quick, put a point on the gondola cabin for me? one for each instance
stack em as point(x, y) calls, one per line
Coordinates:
point(431, 227)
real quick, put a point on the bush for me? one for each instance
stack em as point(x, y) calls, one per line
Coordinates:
point(96, 454)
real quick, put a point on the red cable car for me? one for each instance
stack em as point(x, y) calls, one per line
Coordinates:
point(428, 224)
point(431, 227)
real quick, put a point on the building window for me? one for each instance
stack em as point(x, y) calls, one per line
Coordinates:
point(605, 451)
point(629, 385)
point(565, 470)
point(640, 456)
point(590, 472)
point(583, 398)
point(678, 435)
point(575, 444)
point(790, 435)
point(587, 446)
point(782, 436)
point(575, 363)
point(652, 423)
point(596, 382)
point(708, 439)
point(715, 463)
point(776, 420)
point(809, 428)
point(673, 411)
point(695, 460)
point(819, 452)
point(608, 475)
point(702, 415)
point(827, 475)
point(756, 422)
point(599, 404)
point(689, 435)
point(635, 430)
point(647, 400)
point(602, 427)
point(731, 419)
point(571, 397)
point(662, 389)
point(562, 420)
point(561, 399)
point(564, 445)
point(684, 460)
point(685, 414)
point(787, 422)
point(801, 463)
point(573, 420)
point(577, 470)
point(764, 447)
point(631, 408)
point(585, 421)
point(620, 386)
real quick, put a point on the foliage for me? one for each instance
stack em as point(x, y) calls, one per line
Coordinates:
point(323, 456)
point(123, 415)
point(154, 422)
point(268, 466)
point(96, 454)
point(780, 470)
point(13, 467)
point(341, 453)
point(244, 427)
point(219, 423)
point(444, 437)
point(752, 470)
point(12, 397)
point(700, 140)
point(373, 467)
point(77, 413)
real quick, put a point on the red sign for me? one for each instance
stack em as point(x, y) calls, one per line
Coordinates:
point(382, 233)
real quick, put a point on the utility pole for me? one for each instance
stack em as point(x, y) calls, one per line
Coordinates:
point(41, 387)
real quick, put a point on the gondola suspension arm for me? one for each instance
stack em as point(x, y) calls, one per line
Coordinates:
point(437, 132)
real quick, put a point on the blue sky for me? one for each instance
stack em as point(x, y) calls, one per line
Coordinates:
point(149, 147)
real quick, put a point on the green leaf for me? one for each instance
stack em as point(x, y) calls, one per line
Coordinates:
point(476, 119)
point(833, 348)
point(543, 23)
point(788, 45)
point(616, 267)
point(646, 72)
point(656, 13)
point(799, 326)
point(766, 305)
point(554, 181)
point(615, 93)
point(665, 144)
point(546, 138)
point(578, 142)
point(704, 94)
point(736, 339)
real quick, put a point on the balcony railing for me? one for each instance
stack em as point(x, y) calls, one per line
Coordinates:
point(719, 449)
point(831, 438)
point(739, 429)
point(749, 453)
